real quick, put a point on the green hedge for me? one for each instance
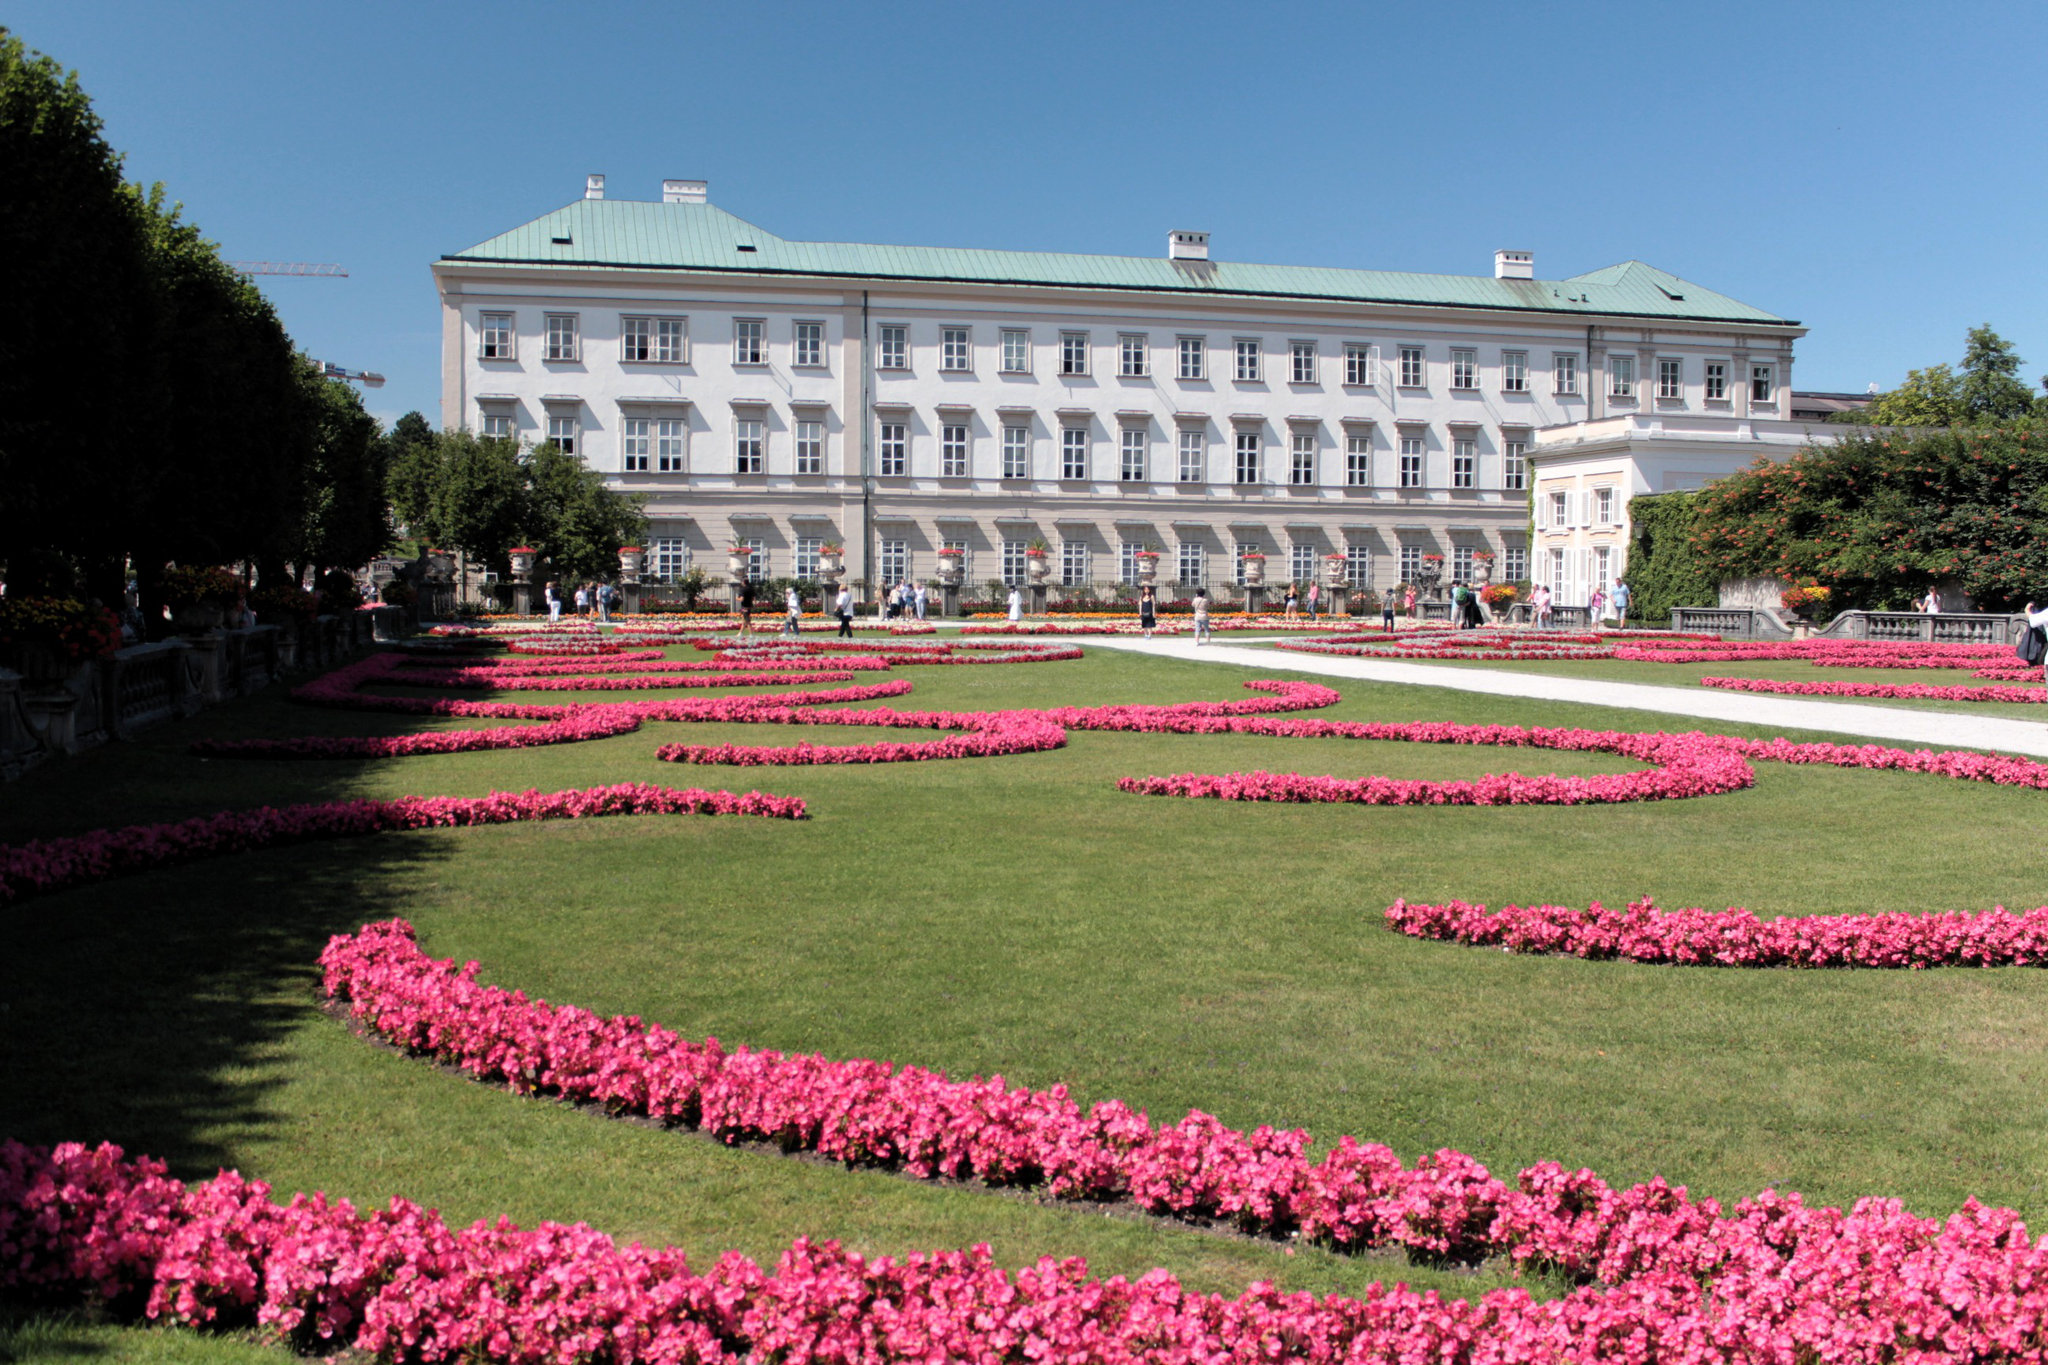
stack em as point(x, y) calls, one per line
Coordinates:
point(1663, 569)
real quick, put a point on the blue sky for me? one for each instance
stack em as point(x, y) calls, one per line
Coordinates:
point(1875, 170)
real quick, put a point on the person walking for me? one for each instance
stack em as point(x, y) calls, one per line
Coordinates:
point(1596, 610)
point(1315, 597)
point(1387, 612)
point(1148, 611)
point(604, 603)
point(1408, 604)
point(1539, 607)
point(921, 592)
point(746, 606)
point(1201, 616)
point(793, 610)
point(843, 605)
point(1016, 604)
point(2038, 620)
point(1618, 601)
point(1293, 612)
point(552, 594)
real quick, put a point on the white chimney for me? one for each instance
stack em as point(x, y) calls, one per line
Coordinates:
point(593, 187)
point(685, 192)
point(1514, 265)
point(1182, 245)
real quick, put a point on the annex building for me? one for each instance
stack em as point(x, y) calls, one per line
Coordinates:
point(784, 395)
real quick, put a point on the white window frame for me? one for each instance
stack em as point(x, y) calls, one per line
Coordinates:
point(564, 345)
point(1603, 506)
point(1132, 349)
point(749, 446)
point(749, 342)
point(1560, 501)
point(892, 346)
point(1073, 353)
point(1716, 383)
point(1074, 453)
point(1514, 563)
point(1250, 449)
point(1192, 563)
point(956, 350)
point(1358, 364)
point(1249, 352)
point(1358, 566)
point(671, 445)
point(1073, 563)
point(1514, 371)
point(1301, 460)
point(1558, 584)
point(668, 557)
point(1763, 391)
point(648, 339)
point(892, 450)
point(1192, 448)
point(1670, 379)
point(1193, 354)
point(497, 336)
point(1603, 561)
point(956, 450)
point(807, 344)
point(565, 429)
point(810, 447)
point(1134, 450)
point(1016, 351)
point(1358, 459)
point(1464, 462)
point(1016, 554)
point(1414, 459)
point(1414, 371)
point(1621, 376)
point(1301, 362)
point(1016, 451)
point(1461, 563)
point(1514, 463)
point(1411, 563)
point(1564, 374)
point(1464, 369)
point(804, 556)
point(1127, 562)
point(1301, 563)
point(1238, 552)
point(892, 559)
point(495, 424)
point(635, 444)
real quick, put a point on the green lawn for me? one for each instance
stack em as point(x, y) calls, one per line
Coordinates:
point(1020, 915)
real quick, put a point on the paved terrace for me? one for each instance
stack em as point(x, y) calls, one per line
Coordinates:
point(1892, 724)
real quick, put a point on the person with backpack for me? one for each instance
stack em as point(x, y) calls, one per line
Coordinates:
point(2033, 643)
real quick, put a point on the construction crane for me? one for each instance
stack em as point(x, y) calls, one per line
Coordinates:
point(326, 271)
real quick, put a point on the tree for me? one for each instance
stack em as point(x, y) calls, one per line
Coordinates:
point(576, 522)
point(1992, 390)
point(479, 498)
point(412, 461)
point(1929, 398)
point(347, 517)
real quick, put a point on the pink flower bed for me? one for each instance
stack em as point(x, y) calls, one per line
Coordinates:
point(1737, 938)
point(1824, 653)
point(946, 652)
point(1685, 766)
point(1921, 691)
point(41, 866)
point(590, 722)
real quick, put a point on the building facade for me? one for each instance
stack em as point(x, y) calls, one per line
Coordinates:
point(784, 395)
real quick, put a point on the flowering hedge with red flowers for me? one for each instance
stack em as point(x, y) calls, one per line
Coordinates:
point(41, 866)
point(1737, 938)
point(1917, 691)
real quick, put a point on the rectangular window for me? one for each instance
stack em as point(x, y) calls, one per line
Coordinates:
point(1564, 373)
point(1243, 549)
point(563, 337)
point(953, 452)
point(1013, 562)
point(1193, 357)
point(1073, 562)
point(1601, 558)
point(1411, 563)
point(668, 558)
point(1357, 363)
point(895, 449)
point(1621, 376)
point(1464, 369)
point(749, 448)
point(1461, 563)
point(1016, 452)
point(1247, 360)
point(670, 434)
point(1194, 456)
point(892, 348)
point(1760, 378)
point(804, 561)
point(634, 440)
point(1130, 353)
point(757, 557)
point(1514, 465)
point(1411, 367)
point(1464, 463)
point(1193, 564)
point(1560, 507)
point(1670, 379)
point(1557, 582)
point(1073, 353)
point(1301, 361)
point(497, 426)
point(1301, 564)
point(892, 560)
point(1358, 566)
point(1073, 452)
point(955, 353)
point(1247, 457)
point(1603, 506)
point(650, 340)
point(1514, 371)
point(1132, 470)
point(494, 337)
point(1358, 460)
point(1301, 465)
point(749, 342)
point(809, 347)
point(1127, 562)
point(562, 430)
point(1717, 381)
point(810, 447)
point(1411, 462)
point(1514, 563)
point(1016, 352)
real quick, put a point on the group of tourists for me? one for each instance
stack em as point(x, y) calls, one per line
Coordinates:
point(906, 601)
point(593, 597)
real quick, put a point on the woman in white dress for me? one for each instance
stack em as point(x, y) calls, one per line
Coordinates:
point(1016, 604)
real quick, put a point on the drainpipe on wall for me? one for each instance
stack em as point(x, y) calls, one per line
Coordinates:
point(867, 454)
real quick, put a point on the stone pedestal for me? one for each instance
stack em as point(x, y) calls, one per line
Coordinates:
point(1254, 599)
point(523, 596)
point(629, 598)
point(949, 599)
point(1034, 599)
point(1338, 596)
point(202, 666)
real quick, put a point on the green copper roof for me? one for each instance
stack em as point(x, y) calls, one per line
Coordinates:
point(624, 234)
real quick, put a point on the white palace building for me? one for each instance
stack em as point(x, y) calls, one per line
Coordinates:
point(784, 395)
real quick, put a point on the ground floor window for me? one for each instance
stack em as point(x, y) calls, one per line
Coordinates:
point(1358, 566)
point(1193, 564)
point(1301, 565)
point(668, 558)
point(892, 560)
point(805, 562)
point(1461, 563)
point(1013, 562)
point(1074, 563)
point(1411, 563)
point(1514, 563)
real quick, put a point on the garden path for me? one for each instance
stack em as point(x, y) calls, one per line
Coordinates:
point(1945, 728)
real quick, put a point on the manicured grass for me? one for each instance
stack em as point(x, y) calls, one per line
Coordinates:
point(1021, 915)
